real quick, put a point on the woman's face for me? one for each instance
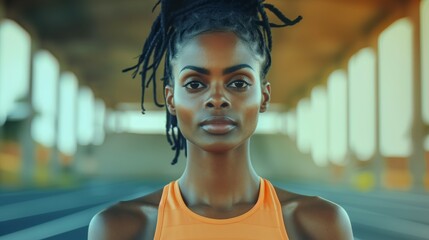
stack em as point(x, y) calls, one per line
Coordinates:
point(217, 94)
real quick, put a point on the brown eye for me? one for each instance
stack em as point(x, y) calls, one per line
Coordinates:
point(194, 85)
point(240, 84)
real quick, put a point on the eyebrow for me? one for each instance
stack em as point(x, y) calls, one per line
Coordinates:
point(227, 70)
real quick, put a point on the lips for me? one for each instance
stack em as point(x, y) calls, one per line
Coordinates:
point(218, 125)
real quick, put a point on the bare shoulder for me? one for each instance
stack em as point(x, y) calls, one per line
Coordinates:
point(311, 217)
point(133, 219)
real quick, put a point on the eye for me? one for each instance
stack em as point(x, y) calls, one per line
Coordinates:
point(239, 84)
point(194, 85)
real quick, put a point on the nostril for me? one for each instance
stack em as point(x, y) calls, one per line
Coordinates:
point(217, 104)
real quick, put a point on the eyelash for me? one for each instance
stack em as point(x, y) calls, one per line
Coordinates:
point(187, 85)
point(240, 81)
point(202, 85)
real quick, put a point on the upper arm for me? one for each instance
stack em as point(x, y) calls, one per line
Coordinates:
point(116, 223)
point(343, 224)
point(322, 219)
point(98, 228)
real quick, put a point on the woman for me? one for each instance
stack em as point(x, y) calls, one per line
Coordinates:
point(217, 56)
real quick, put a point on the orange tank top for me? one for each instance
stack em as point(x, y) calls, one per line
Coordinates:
point(263, 221)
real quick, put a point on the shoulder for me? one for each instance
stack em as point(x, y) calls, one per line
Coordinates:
point(311, 217)
point(127, 220)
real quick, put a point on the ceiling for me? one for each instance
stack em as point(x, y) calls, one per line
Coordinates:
point(96, 39)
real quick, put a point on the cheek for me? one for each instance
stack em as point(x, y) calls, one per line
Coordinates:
point(184, 108)
point(251, 114)
point(184, 116)
point(252, 101)
point(251, 110)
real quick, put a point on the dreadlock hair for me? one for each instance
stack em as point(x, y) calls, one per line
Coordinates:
point(180, 20)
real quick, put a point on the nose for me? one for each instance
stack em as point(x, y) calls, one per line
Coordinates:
point(217, 99)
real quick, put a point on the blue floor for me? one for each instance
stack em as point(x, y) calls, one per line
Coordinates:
point(65, 214)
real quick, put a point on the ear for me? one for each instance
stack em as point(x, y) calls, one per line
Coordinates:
point(169, 100)
point(266, 97)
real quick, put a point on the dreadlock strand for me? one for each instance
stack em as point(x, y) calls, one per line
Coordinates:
point(167, 129)
point(265, 25)
point(281, 16)
point(156, 5)
point(173, 136)
point(154, 90)
point(194, 6)
point(142, 97)
point(145, 67)
point(146, 45)
point(173, 133)
point(156, 58)
point(176, 156)
point(159, 52)
point(180, 145)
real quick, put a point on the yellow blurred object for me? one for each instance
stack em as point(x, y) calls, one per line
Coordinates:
point(10, 163)
point(41, 171)
point(396, 174)
point(41, 176)
point(364, 181)
point(9, 170)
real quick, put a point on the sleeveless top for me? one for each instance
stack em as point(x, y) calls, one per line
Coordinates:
point(263, 221)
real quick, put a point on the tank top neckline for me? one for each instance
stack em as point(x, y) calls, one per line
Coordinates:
point(238, 218)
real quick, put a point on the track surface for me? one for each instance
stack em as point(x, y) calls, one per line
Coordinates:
point(65, 214)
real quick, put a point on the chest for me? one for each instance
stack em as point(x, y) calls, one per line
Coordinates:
point(213, 213)
point(253, 224)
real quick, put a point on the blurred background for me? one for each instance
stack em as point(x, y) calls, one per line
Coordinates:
point(349, 118)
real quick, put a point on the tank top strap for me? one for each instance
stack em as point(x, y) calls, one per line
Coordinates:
point(271, 194)
point(161, 209)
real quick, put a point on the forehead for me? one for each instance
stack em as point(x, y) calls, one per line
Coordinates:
point(216, 49)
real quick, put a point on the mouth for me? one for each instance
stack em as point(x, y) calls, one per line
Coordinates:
point(218, 125)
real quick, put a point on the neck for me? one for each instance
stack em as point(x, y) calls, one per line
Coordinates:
point(219, 180)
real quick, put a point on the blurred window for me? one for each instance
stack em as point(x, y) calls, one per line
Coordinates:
point(362, 102)
point(100, 116)
point(15, 53)
point(67, 113)
point(337, 106)
point(303, 121)
point(396, 88)
point(270, 122)
point(132, 121)
point(319, 125)
point(424, 24)
point(111, 121)
point(85, 116)
point(46, 72)
point(291, 124)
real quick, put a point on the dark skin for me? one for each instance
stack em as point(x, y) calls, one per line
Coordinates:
point(217, 97)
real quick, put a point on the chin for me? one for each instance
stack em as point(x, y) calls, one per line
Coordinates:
point(218, 147)
point(218, 143)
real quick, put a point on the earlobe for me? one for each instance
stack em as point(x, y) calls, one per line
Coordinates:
point(169, 100)
point(266, 97)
